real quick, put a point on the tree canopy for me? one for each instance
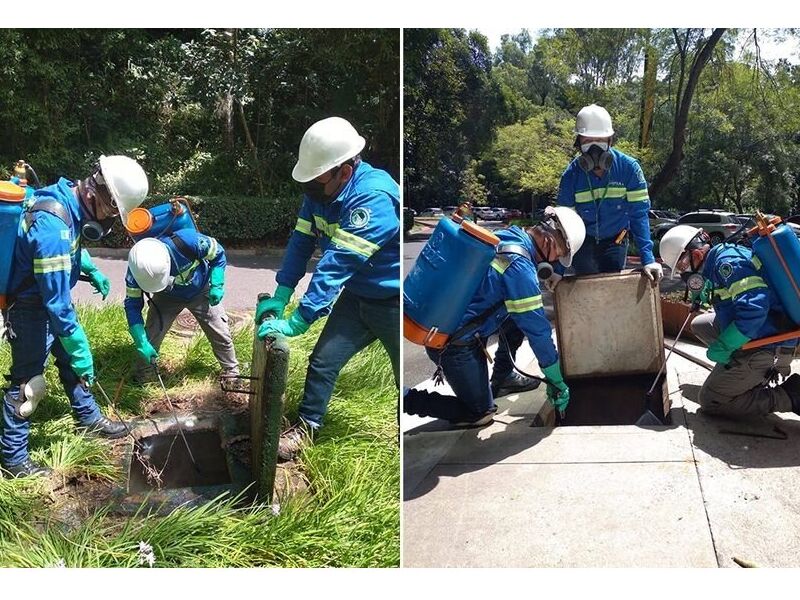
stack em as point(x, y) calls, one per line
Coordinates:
point(711, 121)
point(216, 111)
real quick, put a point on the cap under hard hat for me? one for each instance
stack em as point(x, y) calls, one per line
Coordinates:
point(325, 145)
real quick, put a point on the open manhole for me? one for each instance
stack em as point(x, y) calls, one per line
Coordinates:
point(615, 400)
point(167, 454)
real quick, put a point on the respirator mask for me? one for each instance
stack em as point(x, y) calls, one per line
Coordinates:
point(595, 155)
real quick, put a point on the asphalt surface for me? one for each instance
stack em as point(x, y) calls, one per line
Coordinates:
point(246, 276)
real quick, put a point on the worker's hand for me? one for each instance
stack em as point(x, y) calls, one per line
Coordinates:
point(729, 341)
point(654, 272)
point(558, 397)
point(557, 390)
point(80, 355)
point(217, 288)
point(99, 282)
point(294, 325)
point(551, 282)
point(275, 305)
point(143, 345)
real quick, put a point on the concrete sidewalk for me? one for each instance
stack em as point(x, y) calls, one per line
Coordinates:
point(684, 495)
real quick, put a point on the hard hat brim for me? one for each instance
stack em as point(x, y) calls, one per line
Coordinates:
point(303, 174)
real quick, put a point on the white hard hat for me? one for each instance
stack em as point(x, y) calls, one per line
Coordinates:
point(126, 181)
point(150, 262)
point(571, 227)
point(674, 243)
point(326, 144)
point(594, 121)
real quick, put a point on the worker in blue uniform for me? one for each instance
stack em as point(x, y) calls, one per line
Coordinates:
point(745, 308)
point(41, 317)
point(182, 270)
point(352, 210)
point(608, 190)
point(510, 289)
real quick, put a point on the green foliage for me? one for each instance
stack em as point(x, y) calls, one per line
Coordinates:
point(207, 112)
point(531, 156)
point(351, 517)
point(233, 220)
point(472, 186)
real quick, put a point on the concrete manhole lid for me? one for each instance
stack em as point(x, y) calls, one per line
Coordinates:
point(186, 325)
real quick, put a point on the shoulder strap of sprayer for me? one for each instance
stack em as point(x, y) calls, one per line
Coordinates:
point(49, 206)
point(183, 247)
point(503, 250)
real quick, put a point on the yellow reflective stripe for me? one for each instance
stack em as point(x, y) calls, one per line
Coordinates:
point(740, 287)
point(328, 229)
point(524, 304)
point(354, 243)
point(212, 249)
point(613, 193)
point(638, 195)
point(303, 226)
point(52, 264)
point(185, 276)
point(756, 262)
point(500, 265)
point(133, 292)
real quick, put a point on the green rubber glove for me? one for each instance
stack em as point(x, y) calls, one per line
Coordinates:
point(557, 390)
point(726, 344)
point(217, 289)
point(294, 325)
point(143, 345)
point(80, 356)
point(99, 282)
point(276, 305)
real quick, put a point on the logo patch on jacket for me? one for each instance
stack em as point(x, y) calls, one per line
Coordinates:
point(359, 217)
point(725, 270)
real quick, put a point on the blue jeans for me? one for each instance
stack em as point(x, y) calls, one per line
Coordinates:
point(506, 350)
point(354, 324)
point(29, 350)
point(467, 372)
point(600, 256)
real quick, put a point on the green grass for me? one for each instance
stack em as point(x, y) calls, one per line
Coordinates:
point(350, 518)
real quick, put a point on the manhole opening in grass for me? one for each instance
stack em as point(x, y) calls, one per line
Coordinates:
point(167, 454)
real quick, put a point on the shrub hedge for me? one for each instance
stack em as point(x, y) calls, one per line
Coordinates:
point(236, 221)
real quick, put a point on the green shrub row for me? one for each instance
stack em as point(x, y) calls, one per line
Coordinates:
point(235, 221)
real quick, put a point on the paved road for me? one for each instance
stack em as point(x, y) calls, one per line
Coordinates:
point(245, 277)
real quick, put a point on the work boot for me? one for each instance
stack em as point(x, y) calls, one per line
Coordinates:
point(294, 439)
point(481, 421)
point(105, 428)
point(792, 387)
point(27, 468)
point(513, 383)
point(144, 375)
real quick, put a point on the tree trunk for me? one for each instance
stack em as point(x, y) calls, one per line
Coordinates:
point(226, 117)
point(649, 95)
point(684, 102)
point(251, 146)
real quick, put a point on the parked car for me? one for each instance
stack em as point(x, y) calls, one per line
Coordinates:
point(657, 217)
point(718, 224)
point(449, 210)
point(750, 221)
point(434, 211)
point(513, 213)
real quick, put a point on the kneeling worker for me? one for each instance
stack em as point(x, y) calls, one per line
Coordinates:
point(182, 270)
point(509, 289)
point(745, 308)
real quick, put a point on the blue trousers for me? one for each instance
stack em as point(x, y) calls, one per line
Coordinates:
point(467, 372)
point(354, 323)
point(29, 351)
point(600, 256)
point(506, 350)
